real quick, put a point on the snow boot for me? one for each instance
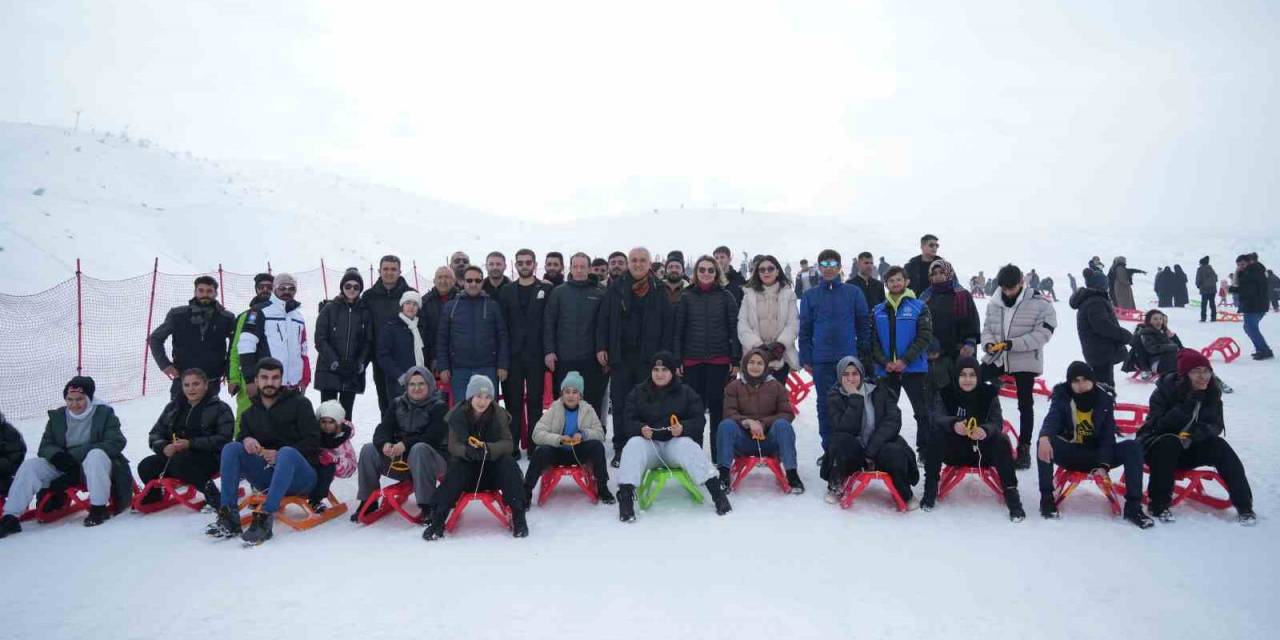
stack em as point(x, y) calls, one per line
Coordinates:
point(373, 506)
point(1246, 518)
point(1014, 502)
point(259, 530)
point(627, 502)
point(425, 511)
point(435, 530)
point(1049, 508)
point(617, 458)
point(726, 479)
point(1163, 514)
point(1024, 456)
point(10, 525)
point(519, 526)
point(1133, 513)
point(212, 497)
point(227, 525)
point(835, 487)
point(793, 479)
point(605, 495)
point(317, 506)
point(718, 496)
point(97, 515)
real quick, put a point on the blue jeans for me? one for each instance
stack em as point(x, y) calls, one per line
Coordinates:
point(1251, 321)
point(291, 475)
point(732, 439)
point(824, 377)
point(460, 376)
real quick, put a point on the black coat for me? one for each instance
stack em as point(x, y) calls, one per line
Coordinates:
point(1060, 422)
point(432, 305)
point(410, 423)
point(200, 337)
point(344, 339)
point(1178, 286)
point(1102, 339)
point(735, 284)
point(706, 325)
point(395, 347)
point(844, 413)
point(951, 405)
point(524, 324)
point(918, 274)
point(1172, 408)
point(872, 290)
point(649, 405)
point(1251, 285)
point(618, 309)
point(290, 422)
point(569, 321)
point(1149, 347)
point(208, 425)
point(12, 449)
point(955, 319)
point(383, 304)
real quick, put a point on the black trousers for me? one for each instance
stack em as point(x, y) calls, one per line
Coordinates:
point(522, 394)
point(847, 456)
point(1166, 455)
point(915, 384)
point(1025, 382)
point(192, 467)
point(593, 380)
point(950, 448)
point(1104, 372)
point(623, 377)
point(588, 452)
point(346, 398)
point(709, 381)
point(462, 476)
point(1210, 302)
point(380, 383)
point(1077, 457)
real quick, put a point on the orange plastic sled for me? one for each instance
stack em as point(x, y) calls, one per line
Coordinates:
point(310, 518)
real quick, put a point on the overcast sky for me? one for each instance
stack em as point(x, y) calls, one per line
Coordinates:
point(1117, 111)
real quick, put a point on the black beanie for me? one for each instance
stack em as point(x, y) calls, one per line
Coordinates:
point(263, 277)
point(83, 384)
point(351, 274)
point(674, 256)
point(1009, 276)
point(968, 362)
point(1204, 260)
point(1079, 369)
point(664, 358)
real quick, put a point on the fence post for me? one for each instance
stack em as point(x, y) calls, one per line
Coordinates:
point(146, 340)
point(415, 276)
point(222, 289)
point(269, 268)
point(324, 279)
point(370, 280)
point(79, 322)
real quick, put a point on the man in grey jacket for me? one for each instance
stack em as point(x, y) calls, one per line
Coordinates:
point(569, 329)
point(1019, 323)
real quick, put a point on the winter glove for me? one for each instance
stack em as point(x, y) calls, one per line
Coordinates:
point(473, 454)
point(776, 350)
point(66, 464)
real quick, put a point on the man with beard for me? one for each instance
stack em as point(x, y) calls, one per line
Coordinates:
point(200, 329)
point(673, 278)
point(600, 269)
point(553, 270)
point(522, 304)
point(865, 279)
point(237, 384)
point(496, 265)
point(617, 265)
point(276, 328)
point(459, 262)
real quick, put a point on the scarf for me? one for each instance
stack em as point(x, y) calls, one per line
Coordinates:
point(705, 287)
point(412, 323)
point(961, 309)
point(640, 288)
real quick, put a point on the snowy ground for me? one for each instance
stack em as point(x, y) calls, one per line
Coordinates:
point(777, 566)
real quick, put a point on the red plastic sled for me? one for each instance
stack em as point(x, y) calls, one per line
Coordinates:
point(858, 482)
point(798, 388)
point(1065, 482)
point(492, 500)
point(389, 498)
point(77, 501)
point(1010, 388)
point(744, 465)
point(175, 492)
point(1228, 347)
point(1230, 316)
point(1131, 315)
point(1129, 425)
point(581, 475)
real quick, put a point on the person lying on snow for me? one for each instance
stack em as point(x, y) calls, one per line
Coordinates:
point(757, 420)
point(82, 446)
point(664, 428)
point(412, 432)
point(1184, 430)
point(277, 451)
point(865, 427)
point(968, 429)
point(569, 433)
point(480, 458)
point(187, 439)
point(1079, 434)
point(336, 457)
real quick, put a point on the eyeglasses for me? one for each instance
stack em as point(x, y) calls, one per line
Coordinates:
point(767, 269)
point(828, 264)
point(473, 280)
point(710, 270)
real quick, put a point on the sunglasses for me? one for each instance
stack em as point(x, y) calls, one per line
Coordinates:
point(829, 264)
point(351, 286)
point(767, 269)
point(473, 280)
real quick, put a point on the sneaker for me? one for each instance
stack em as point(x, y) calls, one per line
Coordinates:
point(1245, 518)
point(1049, 508)
point(227, 525)
point(793, 479)
point(605, 495)
point(519, 526)
point(719, 496)
point(1014, 502)
point(1024, 456)
point(317, 506)
point(626, 503)
point(10, 525)
point(259, 530)
point(726, 480)
point(1133, 513)
point(97, 515)
point(835, 487)
point(617, 458)
point(372, 504)
point(1164, 515)
point(929, 500)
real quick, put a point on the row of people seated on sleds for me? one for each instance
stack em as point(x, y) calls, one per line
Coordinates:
point(286, 448)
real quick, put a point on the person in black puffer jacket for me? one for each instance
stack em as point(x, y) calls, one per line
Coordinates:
point(188, 438)
point(201, 330)
point(383, 300)
point(1102, 339)
point(569, 332)
point(403, 343)
point(1154, 349)
point(413, 429)
point(1184, 430)
point(12, 450)
point(706, 338)
point(344, 336)
point(859, 441)
point(1253, 290)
